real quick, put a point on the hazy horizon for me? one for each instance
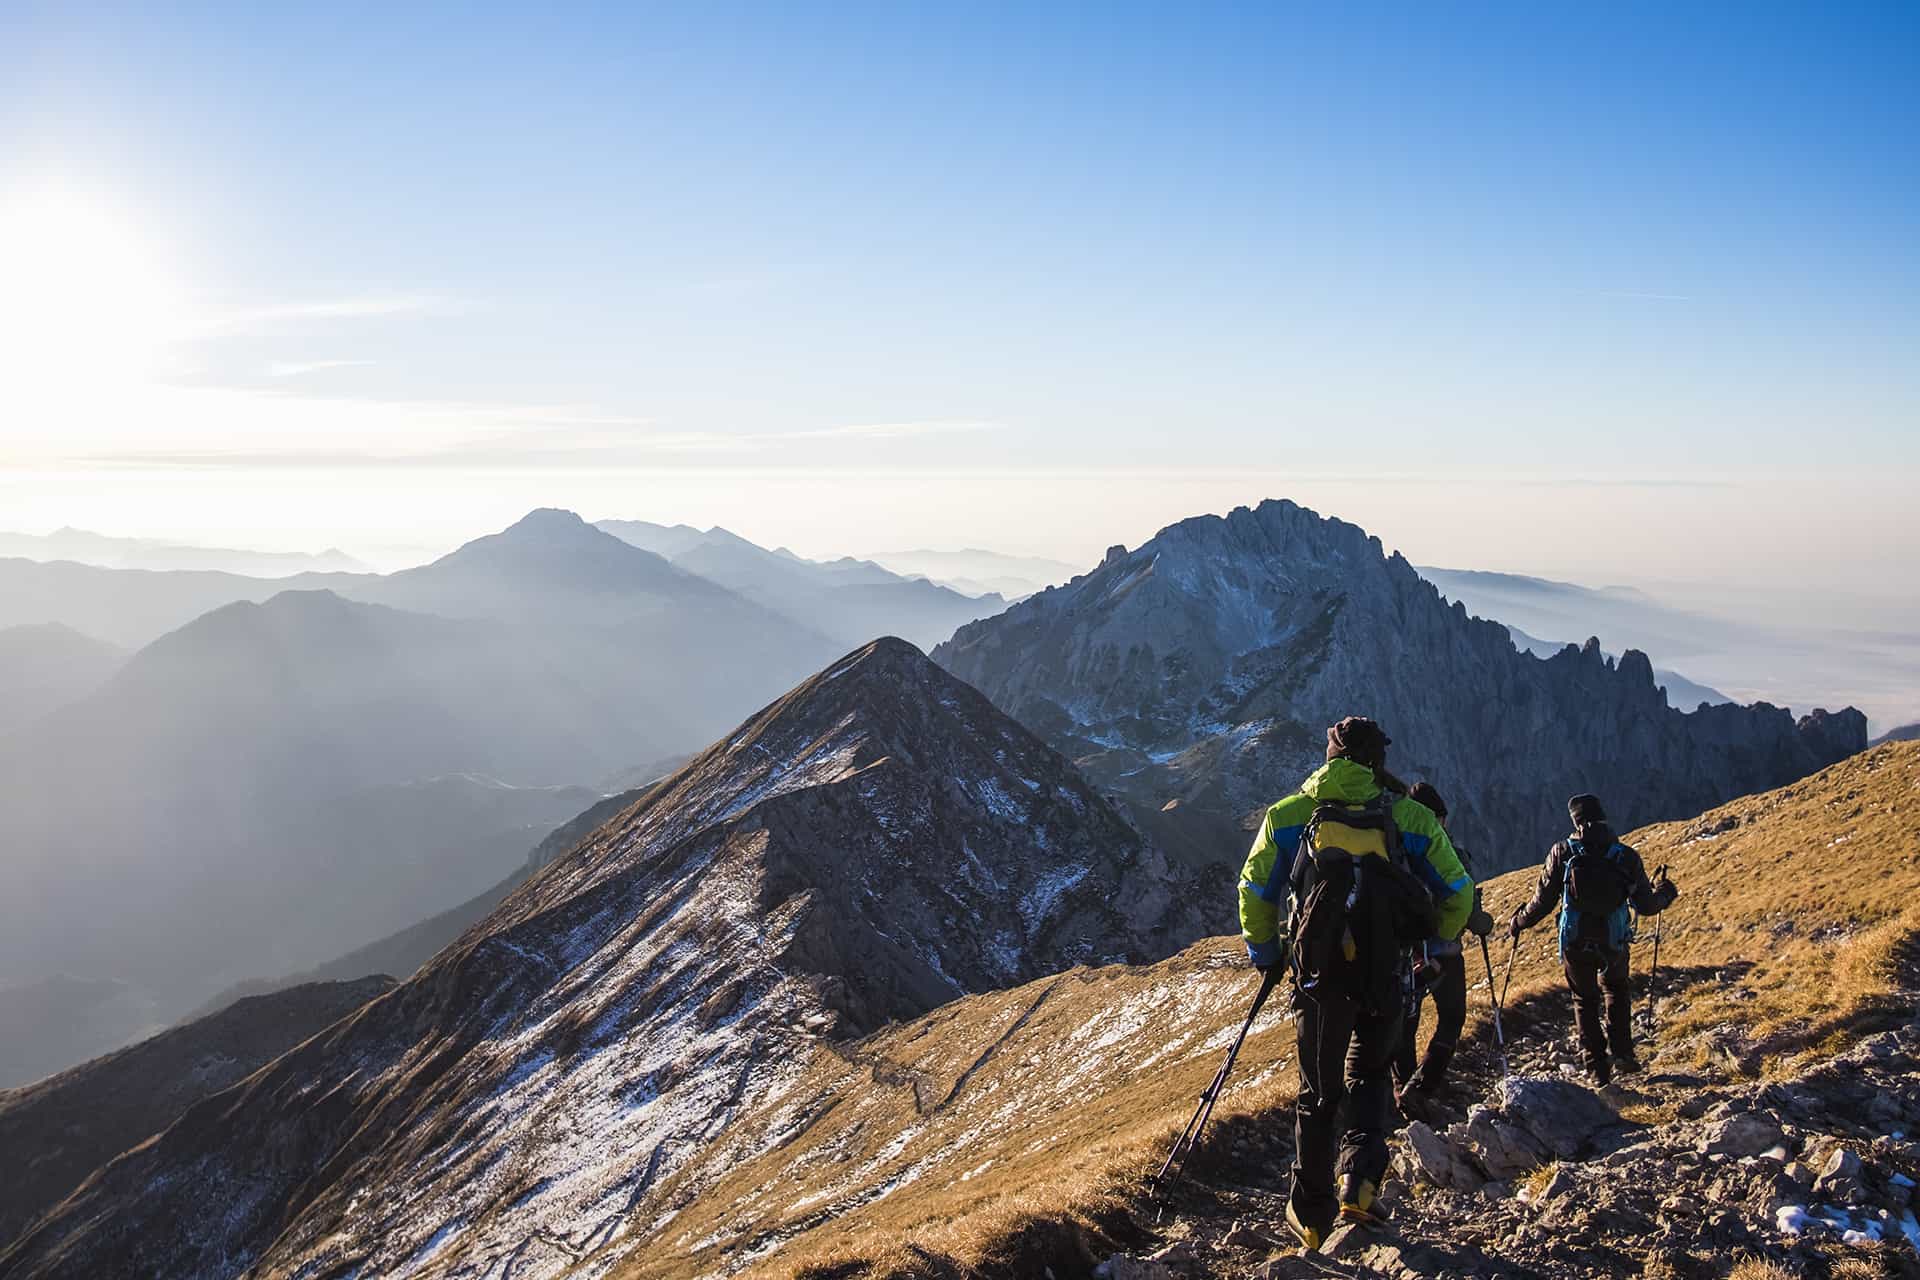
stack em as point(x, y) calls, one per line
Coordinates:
point(1640, 305)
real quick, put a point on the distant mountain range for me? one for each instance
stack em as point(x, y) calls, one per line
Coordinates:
point(274, 783)
point(1195, 675)
point(1774, 654)
point(83, 547)
point(333, 774)
point(872, 845)
point(851, 600)
point(977, 572)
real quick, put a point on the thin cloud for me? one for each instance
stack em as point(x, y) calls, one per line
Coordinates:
point(296, 368)
point(268, 316)
point(882, 431)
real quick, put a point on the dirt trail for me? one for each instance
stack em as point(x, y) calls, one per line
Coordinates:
point(1682, 1170)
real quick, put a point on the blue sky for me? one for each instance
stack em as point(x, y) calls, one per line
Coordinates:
point(858, 277)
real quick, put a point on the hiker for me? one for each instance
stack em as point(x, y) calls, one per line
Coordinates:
point(1442, 974)
point(1367, 874)
point(1598, 882)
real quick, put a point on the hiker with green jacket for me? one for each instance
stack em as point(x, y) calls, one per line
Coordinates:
point(1597, 881)
point(1364, 874)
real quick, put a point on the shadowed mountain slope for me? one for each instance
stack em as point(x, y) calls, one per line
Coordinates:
point(61, 1129)
point(1195, 675)
point(876, 843)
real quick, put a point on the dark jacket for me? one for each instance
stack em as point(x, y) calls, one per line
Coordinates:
point(1547, 893)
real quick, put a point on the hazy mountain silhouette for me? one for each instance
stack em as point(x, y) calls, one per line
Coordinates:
point(851, 600)
point(405, 950)
point(148, 553)
point(274, 784)
point(47, 665)
point(974, 571)
point(1751, 647)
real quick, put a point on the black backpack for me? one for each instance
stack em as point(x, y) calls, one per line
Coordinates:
point(1596, 885)
point(1358, 908)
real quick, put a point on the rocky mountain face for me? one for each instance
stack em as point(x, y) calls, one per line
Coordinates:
point(876, 843)
point(1195, 676)
point(61, 1129)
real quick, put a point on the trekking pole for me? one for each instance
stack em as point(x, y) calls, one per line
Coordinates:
point(1499, 1034)
point(1508, 980)
point(1653, 974)
point(1190, 1136)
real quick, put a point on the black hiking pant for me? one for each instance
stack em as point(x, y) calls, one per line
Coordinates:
point(1601, 978)
point(1346, 1056)
point(1449, 1016)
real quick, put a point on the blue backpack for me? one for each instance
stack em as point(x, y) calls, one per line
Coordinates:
point(1594, 907)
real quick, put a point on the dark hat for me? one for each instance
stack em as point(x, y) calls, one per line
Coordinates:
point(1360, 740)
point(1426, 795)
point(1585, 809)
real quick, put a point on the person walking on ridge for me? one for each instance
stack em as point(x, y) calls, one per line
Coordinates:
point(1366, 874)
point(1420, 1076)
point(1598, 882)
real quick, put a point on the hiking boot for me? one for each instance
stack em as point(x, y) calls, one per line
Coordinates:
point(1415, 1102)
point(1357, 1202)
point(1600, 1071)
point(1310, 1238)
point(1626, 1064)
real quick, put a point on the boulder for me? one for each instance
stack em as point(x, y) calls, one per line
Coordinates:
point(1743, 1134)
point(1440, 1161)
point(1535, 1119)
point(1840, 1175)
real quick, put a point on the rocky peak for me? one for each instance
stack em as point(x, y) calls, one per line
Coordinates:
point(1201, 668)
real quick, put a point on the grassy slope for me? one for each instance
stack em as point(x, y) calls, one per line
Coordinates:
point(977, 1131)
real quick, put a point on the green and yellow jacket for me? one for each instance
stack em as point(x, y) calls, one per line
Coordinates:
point(1264, 891)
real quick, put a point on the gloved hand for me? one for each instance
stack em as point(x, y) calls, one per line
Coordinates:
point(1514, 927)
point(1664, 893)
point(1480, 922)
point(1426, 976)
point(1277, 962)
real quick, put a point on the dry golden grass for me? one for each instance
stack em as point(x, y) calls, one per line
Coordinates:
point(1004, 1124)
point(1536, 1182)
point(1759, 1269)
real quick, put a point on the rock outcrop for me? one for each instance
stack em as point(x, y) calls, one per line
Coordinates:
point(1195, 676)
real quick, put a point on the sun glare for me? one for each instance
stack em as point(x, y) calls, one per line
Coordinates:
point(85, 297)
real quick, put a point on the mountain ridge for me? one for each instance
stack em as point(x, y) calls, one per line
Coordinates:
point(802, 879)
point(1195, 675)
